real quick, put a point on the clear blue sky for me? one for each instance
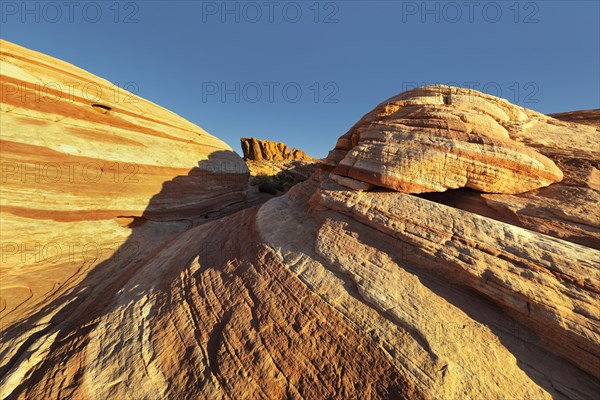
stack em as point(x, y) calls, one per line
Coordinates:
point(344, 56)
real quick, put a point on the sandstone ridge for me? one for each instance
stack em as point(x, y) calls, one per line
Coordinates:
point(82, 160)
point(586, 117)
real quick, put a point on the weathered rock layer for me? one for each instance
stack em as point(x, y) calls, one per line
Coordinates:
point(81, 159)
point(438, 137)
point(329, 291)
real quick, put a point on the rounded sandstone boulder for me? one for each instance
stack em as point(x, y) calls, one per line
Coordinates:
point(435, 138)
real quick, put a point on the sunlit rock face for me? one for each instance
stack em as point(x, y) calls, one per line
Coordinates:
point(466, 306)
point(266, 150)
point(436, 138)
point(337, 289)
point(80, 160)
point(585, 117)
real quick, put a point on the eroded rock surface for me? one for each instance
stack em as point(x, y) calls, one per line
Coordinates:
point(586, 117)
point(435, 138)
point(82, 160)
point(330, 292)
point(274, 168)
point(468, 307)
point(566, 210)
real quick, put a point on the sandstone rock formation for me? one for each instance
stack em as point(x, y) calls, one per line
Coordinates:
point(467, 307)
point(438, 137)
point(82, 159)
point(265, 150)
point(586, 117)
point(334, 292)
point(274, 167)
point(564, 210)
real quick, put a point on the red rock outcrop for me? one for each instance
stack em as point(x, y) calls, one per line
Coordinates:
point(361, 295)
point(435, 138)
point(266, 150)
point(327, 292)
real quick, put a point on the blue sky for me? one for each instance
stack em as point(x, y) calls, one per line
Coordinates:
point(304, 72)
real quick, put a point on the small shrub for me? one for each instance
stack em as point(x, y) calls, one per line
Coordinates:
point(267, 187)
point(282, 182)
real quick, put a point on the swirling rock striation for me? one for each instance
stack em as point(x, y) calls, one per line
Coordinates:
point(327, 291)
point(82, 159)
point(435, 138)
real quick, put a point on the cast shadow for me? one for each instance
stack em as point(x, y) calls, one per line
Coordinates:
point(183, 202)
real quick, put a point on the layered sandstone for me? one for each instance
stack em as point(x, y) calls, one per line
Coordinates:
point(436, 138)
point(565, 210)
point(82, 160)
point(266, 150)
point(360, 295)
point(333, 291)
point(467, 307)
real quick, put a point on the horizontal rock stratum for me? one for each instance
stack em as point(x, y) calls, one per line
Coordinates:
point(435, 138)
point(327, 291)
